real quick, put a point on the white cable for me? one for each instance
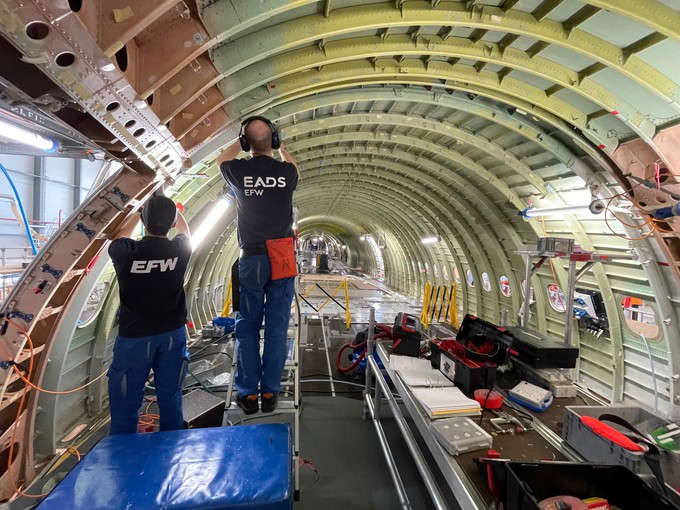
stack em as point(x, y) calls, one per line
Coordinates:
point(651, 364)
point(362, 386)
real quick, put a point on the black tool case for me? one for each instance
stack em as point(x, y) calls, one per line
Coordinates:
point(450, 358)
point(474, 331)
point(406, 334)
point(542, 351)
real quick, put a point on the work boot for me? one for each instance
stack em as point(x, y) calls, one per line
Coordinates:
point(269, 402)
point(247, 404)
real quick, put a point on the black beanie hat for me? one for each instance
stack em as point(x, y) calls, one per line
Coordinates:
point(159, 214)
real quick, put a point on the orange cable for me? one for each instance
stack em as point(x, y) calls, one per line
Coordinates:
point(552, 268)
point(18, 491)
point(74, 451)
point(21, 405)
point(51, 392)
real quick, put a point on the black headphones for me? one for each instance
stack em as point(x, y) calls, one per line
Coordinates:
point(276, 142)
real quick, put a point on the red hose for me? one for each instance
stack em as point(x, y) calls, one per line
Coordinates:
point(382, 331)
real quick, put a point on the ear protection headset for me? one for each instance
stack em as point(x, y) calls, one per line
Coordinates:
point(276, 142)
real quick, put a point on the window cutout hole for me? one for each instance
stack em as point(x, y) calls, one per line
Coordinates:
point(75, 5)
point(661, 199)
point(506, 289)
point(640, 317)
point(65, 59)
point(556, 298)
point(169, 163)
point(139, 132)
point(130, 123)
point(643, 204)
point(149, 100)
point(165, 158)
point(665, 176)
point(37, 30)
point(112, 106)
point(150, 144)
point(122, 59)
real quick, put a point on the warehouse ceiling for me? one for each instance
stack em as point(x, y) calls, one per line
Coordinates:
point(408, 119)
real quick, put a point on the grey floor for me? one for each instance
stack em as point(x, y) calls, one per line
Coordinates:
point(344, 450)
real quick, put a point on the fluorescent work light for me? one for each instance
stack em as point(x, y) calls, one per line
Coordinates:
point(215, 214)
point(429, 240)
point(555, 211)
point(21, 135)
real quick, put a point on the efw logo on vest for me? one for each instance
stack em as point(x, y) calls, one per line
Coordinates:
point(146, 266)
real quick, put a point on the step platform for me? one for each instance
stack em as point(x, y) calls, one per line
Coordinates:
point(222, 468)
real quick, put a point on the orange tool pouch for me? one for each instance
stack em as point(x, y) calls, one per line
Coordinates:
point(282, 257)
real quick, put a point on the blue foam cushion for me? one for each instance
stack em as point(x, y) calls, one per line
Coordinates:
point(247, 466)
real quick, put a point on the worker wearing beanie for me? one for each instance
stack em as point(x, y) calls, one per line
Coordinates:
point(153, 315)
point(263, 188)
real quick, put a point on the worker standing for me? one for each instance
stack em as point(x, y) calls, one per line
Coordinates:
point(153, 316)
point(263, 187)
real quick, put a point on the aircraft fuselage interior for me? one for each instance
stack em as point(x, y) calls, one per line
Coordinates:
point(470, 206)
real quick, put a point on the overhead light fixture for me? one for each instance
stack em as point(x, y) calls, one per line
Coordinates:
point(532, 212)
point(21, 135)
point(362, 237)
point(215, 214)
point(430, 240)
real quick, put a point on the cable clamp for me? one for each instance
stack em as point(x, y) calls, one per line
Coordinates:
point(46, 268)
point(117, 191)
point(26, 317)
point(88, 232)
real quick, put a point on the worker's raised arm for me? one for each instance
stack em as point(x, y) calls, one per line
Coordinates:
point(288, 158)
point(229, 153)
point(181, 227)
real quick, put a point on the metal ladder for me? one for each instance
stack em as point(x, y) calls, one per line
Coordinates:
point(290, 386)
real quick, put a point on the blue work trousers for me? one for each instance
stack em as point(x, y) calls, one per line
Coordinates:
point(261, 297)
point(133, 358)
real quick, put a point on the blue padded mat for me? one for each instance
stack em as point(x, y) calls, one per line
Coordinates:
point(242, 467)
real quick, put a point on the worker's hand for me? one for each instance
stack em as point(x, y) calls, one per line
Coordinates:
point(285, 156)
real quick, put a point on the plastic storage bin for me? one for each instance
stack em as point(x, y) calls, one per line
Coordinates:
point(530, 483)
point(595, 448)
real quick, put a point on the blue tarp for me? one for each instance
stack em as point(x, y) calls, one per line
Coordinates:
point(244, 467)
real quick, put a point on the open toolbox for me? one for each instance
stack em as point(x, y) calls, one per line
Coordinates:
point(484, 341)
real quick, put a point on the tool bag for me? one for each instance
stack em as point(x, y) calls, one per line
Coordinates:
point(282, 257)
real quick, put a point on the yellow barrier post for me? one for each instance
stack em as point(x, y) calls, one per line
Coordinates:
point(434, 303)
point(423, 313)
point(442, 305)
point(453, 306)
point(348, 314)
point(227, 303)
point(426, 305)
